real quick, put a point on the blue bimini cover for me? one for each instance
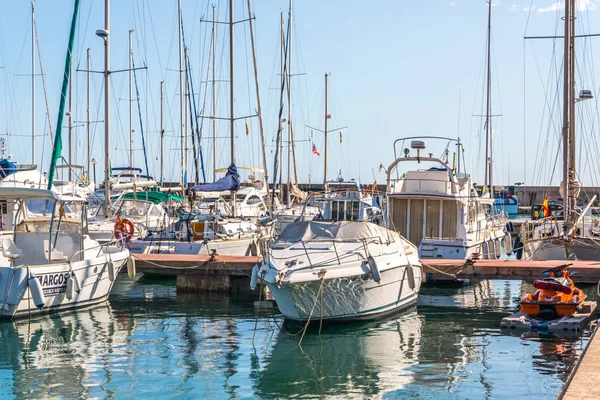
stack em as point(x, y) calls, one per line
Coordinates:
point(6, 168)
point(231, 181)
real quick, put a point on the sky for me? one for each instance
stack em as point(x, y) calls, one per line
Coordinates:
point(397, 69)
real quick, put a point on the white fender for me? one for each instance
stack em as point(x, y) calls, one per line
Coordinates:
point(73, 286)
point(131, 267)
point(254, 277)
point(37, 293)
point(411, 277)
point(497, 249)
point(69, 291)
point(111, 270)
point(374, 270)
point(508, 244)
point(18, 286)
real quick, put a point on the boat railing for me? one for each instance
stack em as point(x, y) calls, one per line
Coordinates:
point(362, 242)
point(99, 247)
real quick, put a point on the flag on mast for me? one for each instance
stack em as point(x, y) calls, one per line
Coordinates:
point(545, 207)
point(340, 137)
point(314, 149)
point(247, 129)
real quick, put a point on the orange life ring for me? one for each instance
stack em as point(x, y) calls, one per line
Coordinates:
point(123, 229)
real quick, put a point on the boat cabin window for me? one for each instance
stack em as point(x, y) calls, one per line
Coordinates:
point(344, 210)
point(254, 200)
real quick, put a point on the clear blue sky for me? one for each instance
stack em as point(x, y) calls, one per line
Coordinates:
point(398, 68)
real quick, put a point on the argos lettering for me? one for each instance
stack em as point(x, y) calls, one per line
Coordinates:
point(54, 283)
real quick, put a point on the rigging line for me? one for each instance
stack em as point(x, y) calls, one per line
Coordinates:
point(189, 98)
point(137, 95)
point(43, 84)
point(280, 128)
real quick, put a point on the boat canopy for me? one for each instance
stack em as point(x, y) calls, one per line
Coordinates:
point(22, 193)
point(315, 230)
point(152, 196)
point(231, 181)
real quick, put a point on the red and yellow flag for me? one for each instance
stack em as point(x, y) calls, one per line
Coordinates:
point(340, 137)
point(545, 208)
point(247, 129)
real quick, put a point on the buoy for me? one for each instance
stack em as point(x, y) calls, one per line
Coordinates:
point(37, 293)
point(374, 269)
point(411, 277)
point(254, 277)
point(111, 270)
point(507, 245)
point(76, 283)
point(131, 267)
point(18, 286)
point(485, 250)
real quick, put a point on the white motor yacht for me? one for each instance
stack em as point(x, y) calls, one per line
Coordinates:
point(325, 270)
point(49, 263)
point(438, 209)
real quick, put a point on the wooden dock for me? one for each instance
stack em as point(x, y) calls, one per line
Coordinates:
point(440, 269)
point(583, 381)
point(200, 272)
point(228, 273)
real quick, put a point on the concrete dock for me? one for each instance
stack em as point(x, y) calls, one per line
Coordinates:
point(583, 381)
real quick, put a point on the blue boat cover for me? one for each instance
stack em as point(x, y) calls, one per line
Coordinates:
point(6, 168)
point(231, 181)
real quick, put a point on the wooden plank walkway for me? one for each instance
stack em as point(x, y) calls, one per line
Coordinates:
point(194, 264)
point(587, 271)
point(583, 381)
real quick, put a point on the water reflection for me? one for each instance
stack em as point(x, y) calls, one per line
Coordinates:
point(57, 356)
point(355, 359)
point(151, 342)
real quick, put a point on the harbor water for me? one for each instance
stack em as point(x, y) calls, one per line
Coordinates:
point(150, 342)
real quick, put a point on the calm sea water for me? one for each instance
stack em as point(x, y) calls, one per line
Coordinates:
point(149, 342)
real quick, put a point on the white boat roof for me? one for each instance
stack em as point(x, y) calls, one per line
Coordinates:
point(23, 193)
point(315, 230)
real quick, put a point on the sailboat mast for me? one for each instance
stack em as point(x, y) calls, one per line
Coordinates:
point(214, 93)
point(568, 129)
point(130, 102)
point(162, 129)
point(325, 132)
point(32, 81)
point(231, 100)
point(70, 124)
point(107, 168)
point(289, 99)
point(259, 111)
point(88, 134)
point(488, 110)
point(181, 110)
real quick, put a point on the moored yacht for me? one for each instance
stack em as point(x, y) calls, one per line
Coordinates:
point(49, 263)
point(340, 270)
point(438, 209)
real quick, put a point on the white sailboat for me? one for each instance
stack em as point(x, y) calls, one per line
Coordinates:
point(576, 234)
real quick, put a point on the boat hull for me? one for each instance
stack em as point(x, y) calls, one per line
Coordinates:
point(234, 247)
point(348, 298)
point(92, 274)
point(585, 249)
